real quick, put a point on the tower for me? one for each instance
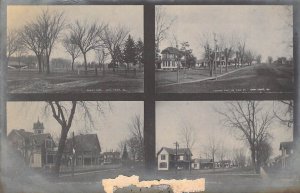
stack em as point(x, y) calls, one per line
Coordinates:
point(38, 127)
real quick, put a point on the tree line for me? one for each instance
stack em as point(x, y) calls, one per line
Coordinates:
point(79, 38)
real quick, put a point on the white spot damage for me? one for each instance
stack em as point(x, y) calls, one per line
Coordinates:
point(178, 186)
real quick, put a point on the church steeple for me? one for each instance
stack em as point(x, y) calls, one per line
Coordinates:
point(38, 127)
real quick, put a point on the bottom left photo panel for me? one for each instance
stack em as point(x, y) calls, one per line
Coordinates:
point(70, 146)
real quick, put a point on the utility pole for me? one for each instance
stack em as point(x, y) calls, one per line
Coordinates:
point(176, 155)
point(73, 153)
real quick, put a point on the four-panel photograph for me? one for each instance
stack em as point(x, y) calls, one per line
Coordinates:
point(218, 115)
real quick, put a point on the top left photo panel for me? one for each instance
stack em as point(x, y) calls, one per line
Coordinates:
point(75, 49)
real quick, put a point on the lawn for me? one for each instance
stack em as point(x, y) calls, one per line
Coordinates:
point(257, 78)
point(72, 82)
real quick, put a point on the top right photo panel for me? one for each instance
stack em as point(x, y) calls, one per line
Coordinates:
point(224, 49)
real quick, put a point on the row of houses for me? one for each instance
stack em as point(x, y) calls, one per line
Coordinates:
point(172, 58)
point(181, 158)
point(39, 149)
point(169, 159)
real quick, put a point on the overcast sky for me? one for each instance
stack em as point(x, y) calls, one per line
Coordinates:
point(263, 26)
point(130, 16)
point(202, 116)
point(111, 127)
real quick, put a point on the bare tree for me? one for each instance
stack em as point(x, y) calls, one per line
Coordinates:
point(72, 49)
point(136, 128)
point(163, 23)
point(239, 157)
point(63, 113)
point(206, 43)
point(252, 122)
point(49, 25)
point(222, 151)
point(12, 43)
point(283, 111)
point(258, 58)
point(241, 46)
point(212, 148)
point(270, 60)
point(249, 57)
point(31, 39)
point(187, 135)
point(114, 39)
point(101, 56)
point(86, 37)
point(228, 45)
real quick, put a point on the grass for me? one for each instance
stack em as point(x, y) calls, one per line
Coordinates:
point(257, 78)
point(71, 82)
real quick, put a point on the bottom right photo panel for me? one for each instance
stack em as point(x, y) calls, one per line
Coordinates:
point(236, 146)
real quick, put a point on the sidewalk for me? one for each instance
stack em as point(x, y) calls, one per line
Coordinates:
point(202, 79)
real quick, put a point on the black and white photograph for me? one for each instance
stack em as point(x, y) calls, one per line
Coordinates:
point(56, 146)
point(237, 146)
point(224, 48)
point(75, 49)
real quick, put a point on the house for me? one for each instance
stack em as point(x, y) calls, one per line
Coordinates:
point(224, 164)
point(37, 148)
point(287, 150)
point(86, 149)
point(202, 164)
point(111, 157)
point(168, 158)
point(171, 59)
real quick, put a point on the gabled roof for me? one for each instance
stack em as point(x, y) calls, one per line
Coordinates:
point(21, 132)
point(180, 151)
point(171, 50)
point(84, 143)
point(39, 139)
point(286, 145)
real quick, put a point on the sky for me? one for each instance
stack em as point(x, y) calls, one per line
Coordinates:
point(263, 26)
point(111, 127)
point(130, 16)
point(202, 116)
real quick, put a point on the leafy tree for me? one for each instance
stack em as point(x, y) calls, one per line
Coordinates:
point(130, 51)
point(140, 52)
point(125, 153)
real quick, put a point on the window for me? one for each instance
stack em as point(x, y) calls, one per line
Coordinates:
point(163, 165)
point(163, 157)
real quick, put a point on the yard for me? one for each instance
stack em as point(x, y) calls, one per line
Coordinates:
point(26, 81)
point(257, 78)
point(231, 180)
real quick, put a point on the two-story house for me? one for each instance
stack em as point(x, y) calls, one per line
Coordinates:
point(168, 158)
point(37, 148)
point(171, 59)
point(85, 148)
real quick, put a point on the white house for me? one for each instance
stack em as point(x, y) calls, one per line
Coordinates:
point(166, 158)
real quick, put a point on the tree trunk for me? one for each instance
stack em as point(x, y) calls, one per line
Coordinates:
point(226, 65)
point(48, 64)
point(73, 64)
point(85, 64)
point(39, 57)
point(61, 147)
point(103, 69)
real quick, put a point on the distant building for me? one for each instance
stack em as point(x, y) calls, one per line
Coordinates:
point(167, 160)
point(112, 157)
point(86, 149)
point(287, 151)
point(171, 58)
point(37, 148)
point(202, 164)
